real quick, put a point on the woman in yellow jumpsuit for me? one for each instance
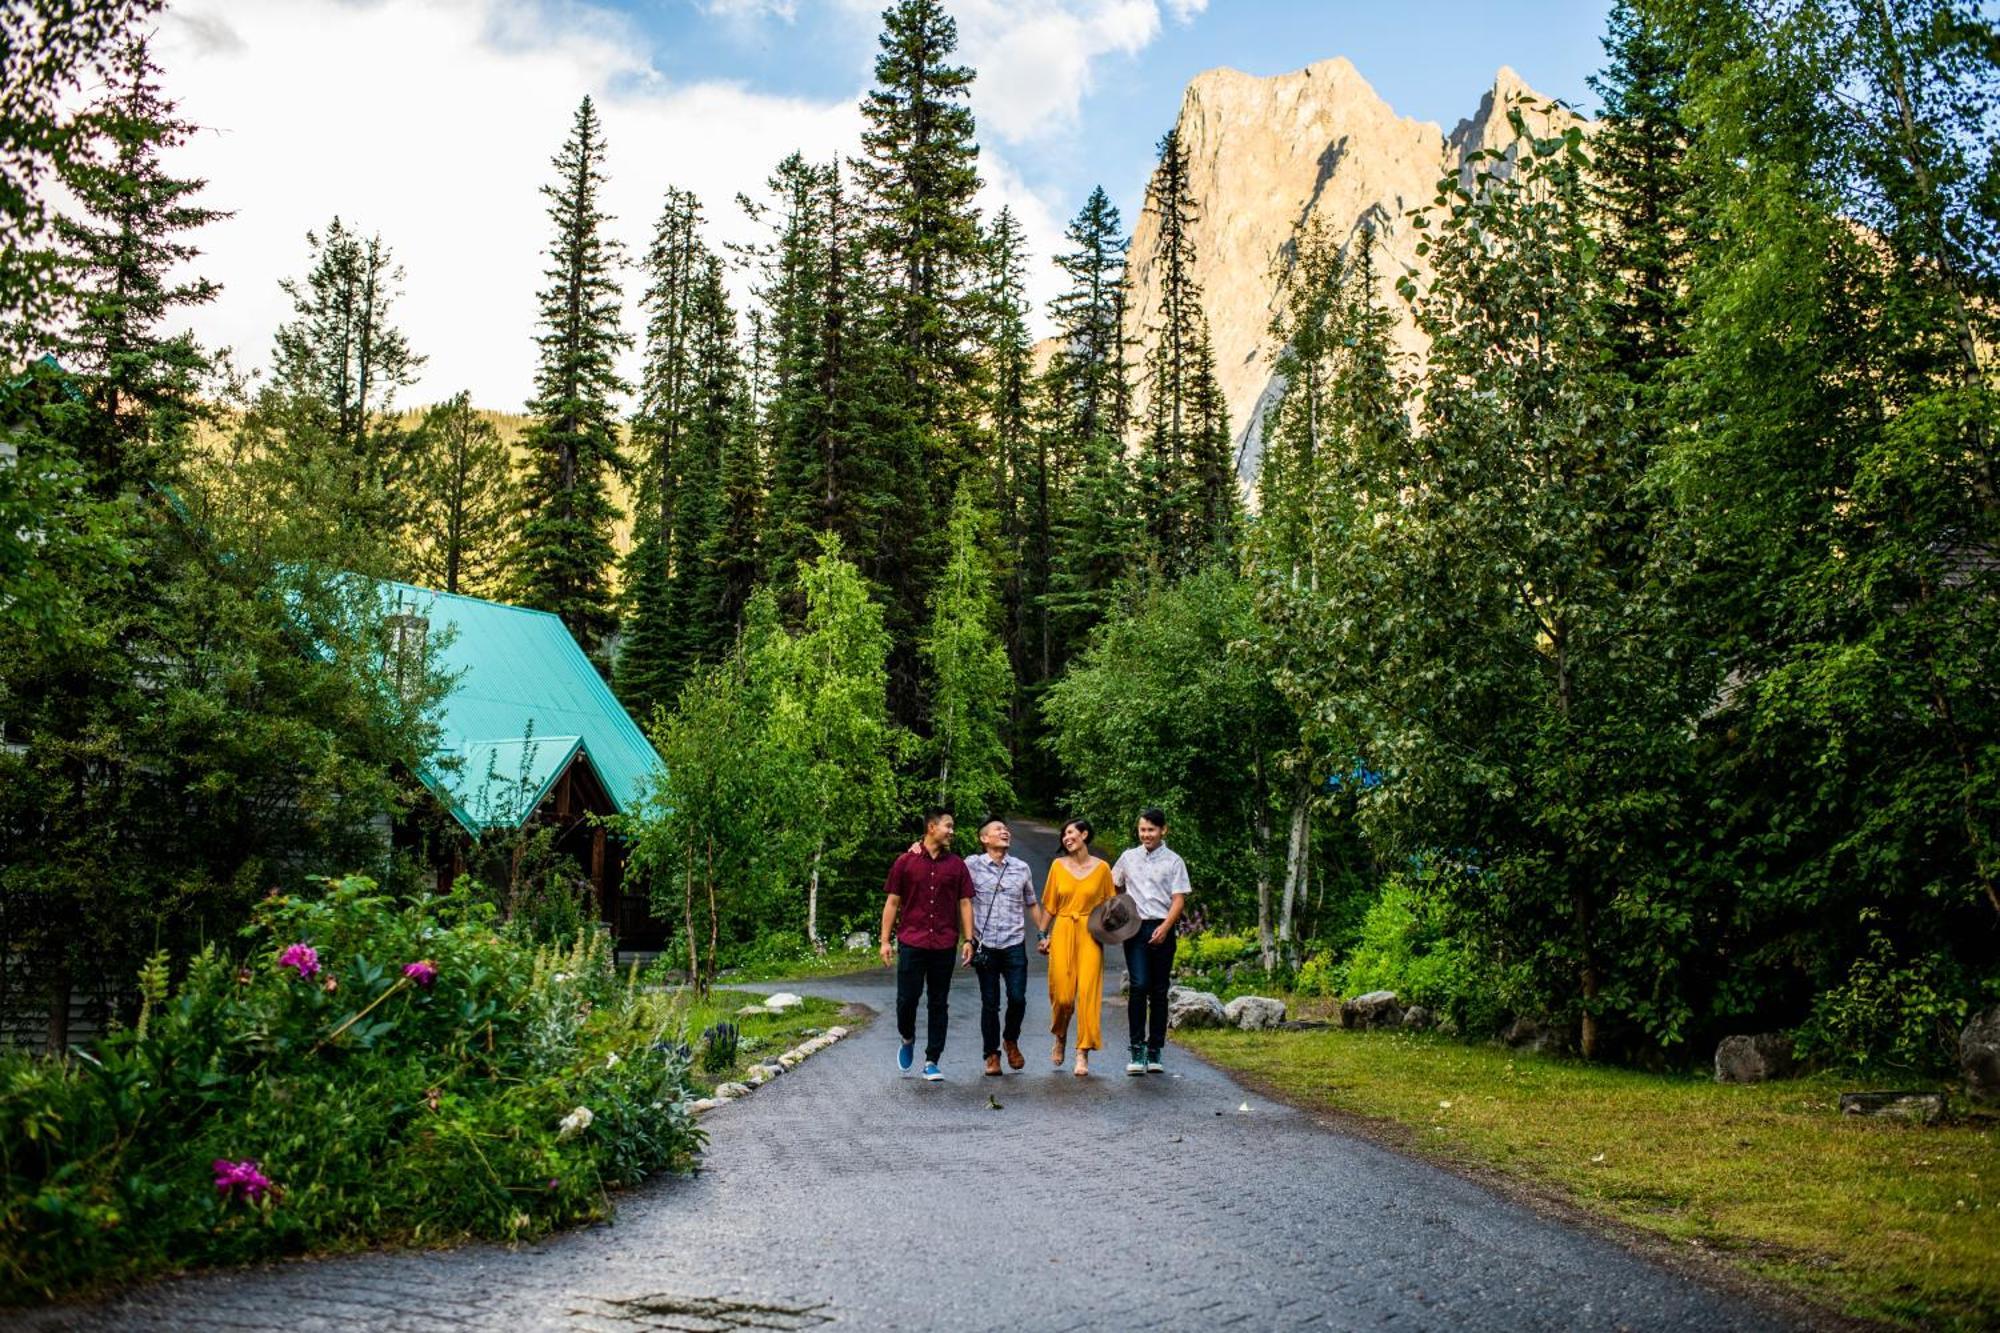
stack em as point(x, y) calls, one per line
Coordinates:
point(1077, 882)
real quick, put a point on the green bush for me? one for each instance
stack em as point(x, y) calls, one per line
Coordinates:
point(1319, 974)
point(1901, 1012)
point(1403, 950)
point(368, 1072)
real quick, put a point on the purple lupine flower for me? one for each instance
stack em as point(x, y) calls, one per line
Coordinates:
point(242, 1180)
point(424, 972)
point(302, 956)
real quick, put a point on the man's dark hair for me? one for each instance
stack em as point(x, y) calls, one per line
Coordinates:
point(933, 813)
point(990, 819)
point(1155, 816)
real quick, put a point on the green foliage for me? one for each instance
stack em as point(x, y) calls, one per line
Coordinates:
point(381, 1101)
point(969, 679)
point(1903, 1012)
point(1404, 948)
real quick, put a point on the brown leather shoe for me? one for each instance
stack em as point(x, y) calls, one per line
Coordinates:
point(993, 1065)
point(1014, 1057)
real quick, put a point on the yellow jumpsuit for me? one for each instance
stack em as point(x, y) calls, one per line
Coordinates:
point(1076, 962)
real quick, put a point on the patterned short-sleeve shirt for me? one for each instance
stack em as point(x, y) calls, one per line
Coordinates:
point(1001, 893)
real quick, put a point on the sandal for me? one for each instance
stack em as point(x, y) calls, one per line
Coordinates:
point(1056, 1053)
point(1082, 1069)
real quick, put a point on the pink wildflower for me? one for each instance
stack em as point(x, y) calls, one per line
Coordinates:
point(302, 956)
point(424, 972)
point(242, 1180)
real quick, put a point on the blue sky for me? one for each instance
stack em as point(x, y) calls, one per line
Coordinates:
point(465, 102)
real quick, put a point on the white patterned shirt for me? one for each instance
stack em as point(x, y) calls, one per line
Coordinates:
point(1152, 878)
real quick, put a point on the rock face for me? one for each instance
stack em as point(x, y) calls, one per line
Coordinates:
point(1253, 1013)
point(1418, 1019)
point(1318, 146)
point(1767, 1055)
point(1979, 1056)
point(1527, 1034)
point(1194, 1009)
point(1376, 1009)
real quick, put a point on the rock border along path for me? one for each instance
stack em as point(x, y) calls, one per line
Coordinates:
point(846, 1195)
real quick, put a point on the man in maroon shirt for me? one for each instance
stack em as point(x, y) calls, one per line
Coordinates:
point(933, 893)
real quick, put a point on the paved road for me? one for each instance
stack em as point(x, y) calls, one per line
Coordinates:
point(845, 1195)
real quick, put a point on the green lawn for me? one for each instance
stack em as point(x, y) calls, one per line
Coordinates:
point(832, 963)
point(1881, 1220)
point(760, 1037)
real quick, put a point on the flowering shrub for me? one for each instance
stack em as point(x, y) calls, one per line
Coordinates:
point(437, 1079)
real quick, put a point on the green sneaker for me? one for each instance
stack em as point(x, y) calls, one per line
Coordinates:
point(1153, 1065)
point(1137, 1064)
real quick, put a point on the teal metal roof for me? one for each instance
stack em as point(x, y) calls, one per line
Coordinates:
point(526, 702)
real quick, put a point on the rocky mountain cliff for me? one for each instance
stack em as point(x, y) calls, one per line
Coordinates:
point(1267, 155)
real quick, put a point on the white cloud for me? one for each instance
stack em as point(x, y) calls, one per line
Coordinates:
point(433, 124)
point(1184, 11)
point(749, 10)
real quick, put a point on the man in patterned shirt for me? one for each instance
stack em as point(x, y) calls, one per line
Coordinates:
point(1003, 902)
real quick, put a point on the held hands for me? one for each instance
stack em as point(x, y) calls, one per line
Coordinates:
point(1042, 945)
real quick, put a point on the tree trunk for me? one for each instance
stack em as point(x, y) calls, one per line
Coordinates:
point(812, 904)
point(687, 918)
point(1260, 831)
point(1295, 853)
point(714, 921)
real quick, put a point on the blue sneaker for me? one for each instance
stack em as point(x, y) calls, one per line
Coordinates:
point(906, 1055)
point(932, 1074)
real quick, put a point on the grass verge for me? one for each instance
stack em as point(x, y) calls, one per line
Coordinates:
point(760, 1036)
point(1879, 1220)
point(806, 967)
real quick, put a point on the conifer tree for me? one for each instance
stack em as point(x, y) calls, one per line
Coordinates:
point(1186, 477)
point(650, 660)
point(462, 524)
point(1017, 487)
point(125, 239)
point(1084, 503)
point(329, 444)
point(918, 173)
point(565, 555)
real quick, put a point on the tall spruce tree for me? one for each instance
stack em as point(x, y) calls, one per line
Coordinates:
point(918, 173)
point(650, 661)
point(461, 525)
point(331, 449)
point(565, 556)
point(1186, 475)
point(126, 240)
point(1017, 491)
point(1080, 515)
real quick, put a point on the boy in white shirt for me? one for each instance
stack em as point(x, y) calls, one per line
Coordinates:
point(1156, 877)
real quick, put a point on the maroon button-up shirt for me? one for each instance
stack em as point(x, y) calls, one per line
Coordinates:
point(930, 888)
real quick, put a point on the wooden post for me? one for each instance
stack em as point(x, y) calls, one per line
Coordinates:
point(605, 907)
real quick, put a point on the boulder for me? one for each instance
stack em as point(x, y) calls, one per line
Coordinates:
point(1253, 1013)
point(1376, 1009)
point(783, 1000)
point(729, 1092)
point(1755, 1059)
point(1418, 1019)
point(1979, 1056)
point(1923, 1108)
point(1531, 1035)
point(1194, 1009)
point(858, 942)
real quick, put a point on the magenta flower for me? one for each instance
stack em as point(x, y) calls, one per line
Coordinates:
point(242, 1180)
point(424, 972)
point(302, 956)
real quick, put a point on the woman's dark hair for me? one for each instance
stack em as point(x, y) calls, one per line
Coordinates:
point(1155, 816)
point(1081, 826)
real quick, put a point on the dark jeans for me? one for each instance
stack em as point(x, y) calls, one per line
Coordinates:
point(1010, 963)
point(918, 970)
point(1151, 967)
